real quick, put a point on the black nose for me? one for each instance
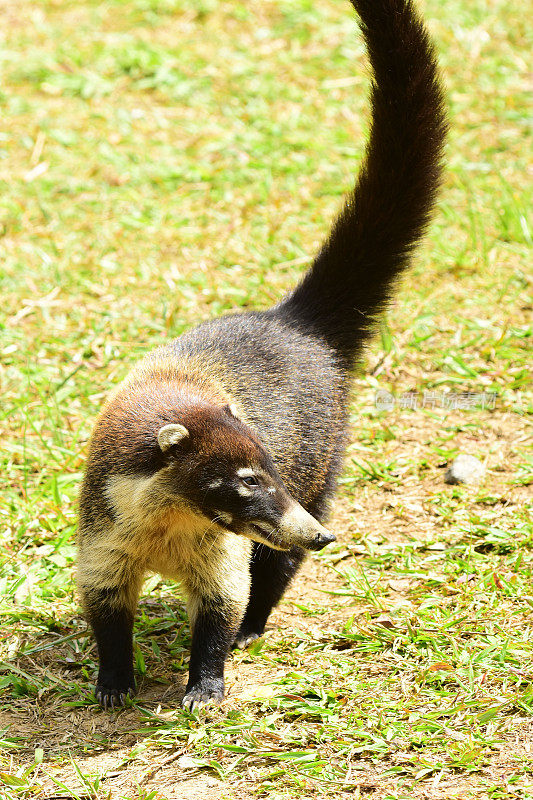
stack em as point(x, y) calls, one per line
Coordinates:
point(321, 540)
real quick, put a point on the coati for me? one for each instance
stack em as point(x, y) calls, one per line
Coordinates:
point(215, 460)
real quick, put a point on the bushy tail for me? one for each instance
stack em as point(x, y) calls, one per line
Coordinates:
point(386, 213)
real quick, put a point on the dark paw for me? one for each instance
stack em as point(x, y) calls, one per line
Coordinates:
point(245, 638)
point(113, 694)
point(206, 691)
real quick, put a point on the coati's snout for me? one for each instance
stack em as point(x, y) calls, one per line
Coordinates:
point(304, 530)
point(284, 525)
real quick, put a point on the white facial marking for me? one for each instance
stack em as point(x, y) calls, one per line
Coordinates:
point(246, 472)
point(171, 434)
point(234, 410)
point(215, 484)
point(271, 490)
point(244, 491)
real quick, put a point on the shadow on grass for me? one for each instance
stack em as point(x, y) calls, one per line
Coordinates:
point(47, 682)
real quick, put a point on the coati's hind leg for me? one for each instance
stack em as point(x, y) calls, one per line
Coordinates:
point(271, 571)
point(109, 595)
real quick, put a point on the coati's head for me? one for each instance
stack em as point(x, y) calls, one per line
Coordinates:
point(219, 466)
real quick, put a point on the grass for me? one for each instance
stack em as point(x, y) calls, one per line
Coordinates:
point(162, 162)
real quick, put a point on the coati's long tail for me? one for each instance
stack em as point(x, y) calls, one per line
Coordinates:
point(373, 238)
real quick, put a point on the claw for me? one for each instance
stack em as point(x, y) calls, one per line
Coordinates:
point(113, 698)
point(246, 639)
point(196, 698)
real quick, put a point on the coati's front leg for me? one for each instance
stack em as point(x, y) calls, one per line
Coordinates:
point(109, 594)
point(218, 594)
point(112, 624)
point(213, 632)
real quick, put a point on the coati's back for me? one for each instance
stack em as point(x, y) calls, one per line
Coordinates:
point(236, 430)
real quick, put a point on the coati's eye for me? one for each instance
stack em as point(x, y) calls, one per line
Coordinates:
point(250, 480)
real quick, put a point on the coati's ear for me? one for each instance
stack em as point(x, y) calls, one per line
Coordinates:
point(232, 409)
point(171, 434)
